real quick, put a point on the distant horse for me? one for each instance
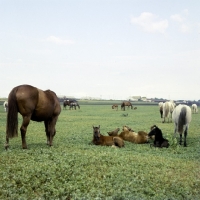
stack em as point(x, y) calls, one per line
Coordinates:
point(194, 108)
point(181, 117)
point(159, 141)
point(138, 138)
point(115, 106)
point(33, 104)
point(102, 140)
point(67, 103)
point(5, 105)
point(166, 110)
point(114, 132)
point(73, 104)
point(126, 103)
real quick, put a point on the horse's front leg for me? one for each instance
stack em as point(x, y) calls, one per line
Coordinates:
point(47, 132)
point(25, 123)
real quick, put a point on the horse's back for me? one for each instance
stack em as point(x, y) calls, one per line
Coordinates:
point(36, 103)
point(180, 112)
point(47, 106)
point(25, 96)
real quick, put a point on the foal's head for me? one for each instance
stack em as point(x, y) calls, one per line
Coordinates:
point(155, 131)
point(96, 132)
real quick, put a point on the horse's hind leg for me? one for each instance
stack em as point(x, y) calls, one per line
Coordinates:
point(180, 141)
point(50, 130)
point(25, 123)
point(7, 142)
point(185, 136)
point(47, 132)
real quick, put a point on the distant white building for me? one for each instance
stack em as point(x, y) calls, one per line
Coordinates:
point(135, 98)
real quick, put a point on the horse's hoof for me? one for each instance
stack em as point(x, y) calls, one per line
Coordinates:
point(6, 146)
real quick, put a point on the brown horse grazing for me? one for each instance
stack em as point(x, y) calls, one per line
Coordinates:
point(126, 103)
point(138, 138)
point(33, 104)
point(102, 140)
point(114, 133)
point(115, 106)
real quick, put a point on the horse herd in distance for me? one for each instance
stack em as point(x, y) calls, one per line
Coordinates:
point(181, 115)
point(38, 105)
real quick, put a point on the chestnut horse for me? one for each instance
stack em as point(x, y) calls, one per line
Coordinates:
point(33, 104)
point(128, 135)
point(126, 103)
point(102, 140)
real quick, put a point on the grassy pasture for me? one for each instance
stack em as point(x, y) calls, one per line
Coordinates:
point(75, 169)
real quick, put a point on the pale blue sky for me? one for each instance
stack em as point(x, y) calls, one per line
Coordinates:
point(102, 48)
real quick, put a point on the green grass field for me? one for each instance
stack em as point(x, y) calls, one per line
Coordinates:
point(75, 169)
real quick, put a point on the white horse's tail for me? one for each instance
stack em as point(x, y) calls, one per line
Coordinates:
point(182, 120)
point(166, 109)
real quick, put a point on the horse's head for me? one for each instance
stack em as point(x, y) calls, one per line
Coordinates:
point(96, 132)
point(155, 131)
point(126, 129)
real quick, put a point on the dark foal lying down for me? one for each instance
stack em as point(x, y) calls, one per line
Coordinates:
point(159, 141)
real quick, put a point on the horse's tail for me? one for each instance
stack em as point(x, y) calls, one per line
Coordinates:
point(166, 109)
point(12, 115)
point(181, 120)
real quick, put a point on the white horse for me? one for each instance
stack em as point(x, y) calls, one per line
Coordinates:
point(182, 116)
point(5, 105)
point(194, 108)
point(172, 106)
point(166, 110)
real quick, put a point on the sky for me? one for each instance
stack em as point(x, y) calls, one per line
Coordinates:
point(109, 49)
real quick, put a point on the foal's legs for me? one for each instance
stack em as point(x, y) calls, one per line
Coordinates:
point(25, 123)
